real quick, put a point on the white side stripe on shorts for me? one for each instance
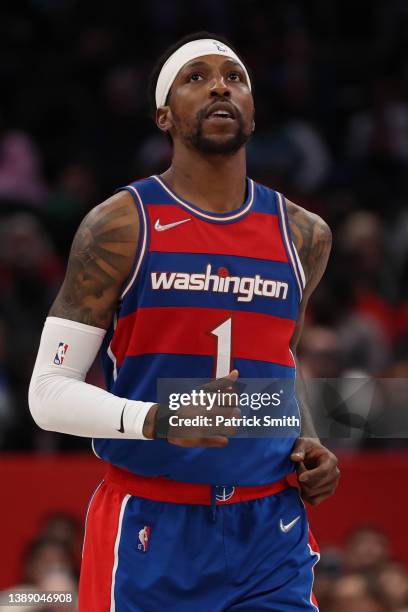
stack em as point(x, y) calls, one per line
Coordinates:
point(116, 550)
point(316, 554)
point(86, 516)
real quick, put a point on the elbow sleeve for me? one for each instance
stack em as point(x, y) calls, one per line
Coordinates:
point(60, 399)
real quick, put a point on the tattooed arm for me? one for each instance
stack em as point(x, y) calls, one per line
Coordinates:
point(100, 261)
point(316, 466)
point(101, 258)
point(312, 238)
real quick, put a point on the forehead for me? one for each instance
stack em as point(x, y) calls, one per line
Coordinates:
point(210, 61)
point(208, 64)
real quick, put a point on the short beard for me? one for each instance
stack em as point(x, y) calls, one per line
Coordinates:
point(206, 145)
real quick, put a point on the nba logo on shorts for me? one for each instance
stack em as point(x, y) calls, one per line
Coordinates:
point(144, 535)
point(60, 354)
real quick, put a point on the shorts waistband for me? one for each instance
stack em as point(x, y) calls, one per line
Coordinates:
point(158, 488)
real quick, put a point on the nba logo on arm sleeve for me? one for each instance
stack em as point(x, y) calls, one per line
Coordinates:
point(60, 354)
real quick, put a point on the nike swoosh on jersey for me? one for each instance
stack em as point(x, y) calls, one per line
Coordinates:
point(163, 228)
point(288, 527)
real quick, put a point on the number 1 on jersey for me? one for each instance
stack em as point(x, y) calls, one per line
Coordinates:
point(223, 363)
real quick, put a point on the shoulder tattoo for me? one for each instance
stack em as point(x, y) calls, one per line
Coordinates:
point(100, 260)
point(313, 238)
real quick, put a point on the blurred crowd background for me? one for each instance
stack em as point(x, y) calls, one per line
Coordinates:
point(331, 97)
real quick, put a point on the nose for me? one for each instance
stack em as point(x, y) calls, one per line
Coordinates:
point(220, 87)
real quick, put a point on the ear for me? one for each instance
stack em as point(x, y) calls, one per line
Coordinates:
point(253, 125)
point(164, 118)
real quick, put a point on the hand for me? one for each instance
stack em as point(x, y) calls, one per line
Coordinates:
point(210, 435)
point(317, 470)
point(207, 435)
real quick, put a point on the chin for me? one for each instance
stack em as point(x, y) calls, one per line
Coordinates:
point(219, 145)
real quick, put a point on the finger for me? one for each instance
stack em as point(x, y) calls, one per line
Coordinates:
point(233, 375)
point(301, 447)
point(317, 480)
point(315, 487)
point(318, 490)
point(224, 429)
point(315, 500)
point(323, 470)
point(222, 383)
point(310, 493)
point(300, 468)
point(297, 456)
point(319, 475)
point(299, 450)
point(227, 412)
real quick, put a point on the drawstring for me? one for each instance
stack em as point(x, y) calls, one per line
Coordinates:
point(214, 503)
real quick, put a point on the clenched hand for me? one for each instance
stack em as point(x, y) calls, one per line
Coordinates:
point(317, 470)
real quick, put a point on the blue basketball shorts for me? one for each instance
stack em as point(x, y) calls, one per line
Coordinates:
point(141, 555)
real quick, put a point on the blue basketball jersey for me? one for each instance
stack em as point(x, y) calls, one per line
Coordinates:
point(208, 292)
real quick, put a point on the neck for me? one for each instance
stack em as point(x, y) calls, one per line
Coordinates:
point(216, 183)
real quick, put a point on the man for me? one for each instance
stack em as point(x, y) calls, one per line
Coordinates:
point(204, 521)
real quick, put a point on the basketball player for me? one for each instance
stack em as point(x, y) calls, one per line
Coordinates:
point(196, 272)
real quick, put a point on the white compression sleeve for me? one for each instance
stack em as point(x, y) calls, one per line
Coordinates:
point(60, 400)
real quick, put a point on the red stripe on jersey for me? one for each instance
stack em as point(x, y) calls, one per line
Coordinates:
point(187, 331)
point(98, 554)
point(256, 235)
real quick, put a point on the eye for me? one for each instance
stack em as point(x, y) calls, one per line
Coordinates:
point(235, 76)
point(195, 76)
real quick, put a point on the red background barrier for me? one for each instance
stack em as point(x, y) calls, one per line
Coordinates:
point(372, 490)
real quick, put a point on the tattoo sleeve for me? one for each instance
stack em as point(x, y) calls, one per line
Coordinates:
point(101, 258)
point(312, 238)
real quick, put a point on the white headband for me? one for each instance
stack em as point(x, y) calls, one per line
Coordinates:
point(186, 53)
